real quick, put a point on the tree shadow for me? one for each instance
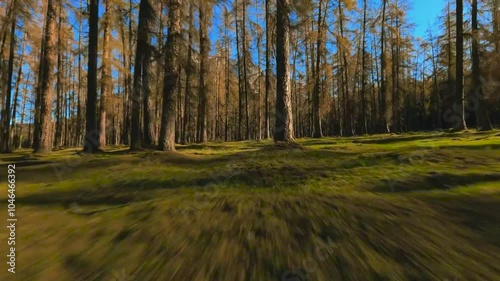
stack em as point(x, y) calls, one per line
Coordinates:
point(434, 181)
point(475, 147)
point(479, 213)
point(397, 139)
point(23, 160)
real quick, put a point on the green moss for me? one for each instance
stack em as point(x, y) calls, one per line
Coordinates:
point(420, 206)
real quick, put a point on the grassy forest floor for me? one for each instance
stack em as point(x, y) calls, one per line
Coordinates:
point(388, 207)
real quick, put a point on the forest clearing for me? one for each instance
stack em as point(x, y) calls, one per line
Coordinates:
point(250, 140)
point(420, 206)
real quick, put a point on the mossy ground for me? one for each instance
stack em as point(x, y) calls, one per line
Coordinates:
point(410, 207)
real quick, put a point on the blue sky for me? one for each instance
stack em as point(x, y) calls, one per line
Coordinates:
point(424, 13)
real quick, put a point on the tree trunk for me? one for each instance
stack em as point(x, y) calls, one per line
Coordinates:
point(107, 80)
point(43, 142)
point(284, 117)
point(268, 70)
point(246, 87)
point(189, 72)
point(383, 86)
point(91, 130)
point(10, 69)
point(59, 85)
point(317, 131)
point(204, 17)
point(240, 75)
point(228, 74)
point(483, 122)
point(141, 55)
point(146, 77)
point(459, 94)
point(174, 38)
point(79, 118)
point(16, 93)
point(23, 112)
point(363, 73)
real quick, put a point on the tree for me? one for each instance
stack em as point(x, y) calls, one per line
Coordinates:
point(459, 94)
point(5, 145)
point(283, 130)
point(146, 12)
point(383, 86)
point(169, 109)
point(363, 107)
point(268, 69)
point(43, 132)
point(106, 80)
point(205, 12)
point(483, 122)
point(317, 131)
point(59, 83)
point(147, 138)
point(189, 69)
point(91, 131)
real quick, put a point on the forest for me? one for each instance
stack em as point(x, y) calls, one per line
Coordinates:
point(156, 73)
point(253, 140)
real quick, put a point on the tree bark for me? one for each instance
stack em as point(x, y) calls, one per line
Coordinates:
point(204, 17)
point(16, 93)
point(483, 122)
point(167, 131)
point(284, 117)
point(10, 69)
point(383, 86)
point(107, 80)
point(317, 131)
point(91, 131)
point(268, 70)
point(189, 73)
point(43, 135)
point(363, 72)
point(459, 94)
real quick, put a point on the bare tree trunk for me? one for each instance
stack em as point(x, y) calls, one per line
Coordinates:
point(459, 94)
point(268, 70)
point(147, 110)
point(345, 65)
point(240, 75)
point(204, 17)
point(79, 118)
point(363, 73)
point(246, 86)
point(126, 87)
point(141, 55)
point(23, 112)
point(228, 74)
point(317, 131)
point(59, 77)
point(43, 142)
point(383, 86)
point(146, 77)
point(284, 117)
point(496, 25)
point(483, 122)
point(167, 132)
point(189, 73)
point(259, 103)
point(10, 69)
point(16, 94)
point(107, 82)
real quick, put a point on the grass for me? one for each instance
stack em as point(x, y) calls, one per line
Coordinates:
point(389, 207)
